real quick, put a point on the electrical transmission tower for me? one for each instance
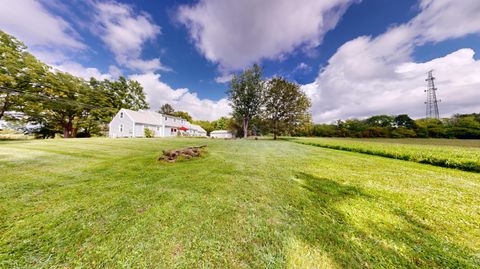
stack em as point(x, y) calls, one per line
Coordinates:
point(432, 102)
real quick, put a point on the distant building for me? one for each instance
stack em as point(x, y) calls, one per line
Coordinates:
point(221, 134)
point(129, 123)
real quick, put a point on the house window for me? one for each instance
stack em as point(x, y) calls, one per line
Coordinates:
point(121, 115)
point(165, 118)
point(121, 128)
point(158, 128)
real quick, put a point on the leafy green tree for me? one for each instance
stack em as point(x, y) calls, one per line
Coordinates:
point(222, 123)
point(463, 126)
point(403, 132)
point(19, 72)
point(166, 109)
point(246, 95)
point(62, 103)
point(285, 106)
point(183, 115)
point(431, 128)
point(380, 121)
point(206, 125)
point(128, 94)
point(325, 130)
point(356, 128)
point(405, 121)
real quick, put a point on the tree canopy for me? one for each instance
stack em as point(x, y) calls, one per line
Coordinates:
point(56, 101)
point(246, 95)
point(285, 106)
point(166, 109)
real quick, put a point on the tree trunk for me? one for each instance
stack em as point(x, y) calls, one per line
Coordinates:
point(66, 133)
point(68, 128)
point(275, 130)
point(245, 127)
point(5, 106)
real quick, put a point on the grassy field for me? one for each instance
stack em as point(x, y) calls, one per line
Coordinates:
point(97, 203)
point(468, 143)
point(459, 154)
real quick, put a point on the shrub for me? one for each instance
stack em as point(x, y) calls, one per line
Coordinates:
point(148, 133)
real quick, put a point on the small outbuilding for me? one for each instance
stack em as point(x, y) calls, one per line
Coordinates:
point(221, 134)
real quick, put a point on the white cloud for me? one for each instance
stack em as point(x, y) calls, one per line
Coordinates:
point(79, 70)
point(29, 21)
point(369, 76)
point(224, 78)
point(236, 34)
point(49, 37)
point(159, 93)
point(125, 32)
point(302, 68)
point(114, 71)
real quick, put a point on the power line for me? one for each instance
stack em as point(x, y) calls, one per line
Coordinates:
point(49, 99)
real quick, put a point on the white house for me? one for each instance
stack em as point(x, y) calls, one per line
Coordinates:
point(221, 134)
point(129, 123)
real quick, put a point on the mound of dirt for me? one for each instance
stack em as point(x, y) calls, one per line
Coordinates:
point(185, 153)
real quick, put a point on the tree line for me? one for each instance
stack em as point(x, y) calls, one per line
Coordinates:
point(463, 126)
point(52, 101)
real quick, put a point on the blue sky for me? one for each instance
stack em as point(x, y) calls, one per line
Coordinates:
point(353, 58)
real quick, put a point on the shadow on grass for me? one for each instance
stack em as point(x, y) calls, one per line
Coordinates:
point(369, 244)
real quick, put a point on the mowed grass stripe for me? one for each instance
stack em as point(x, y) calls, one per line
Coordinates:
point(268, 204)
point(462, 158)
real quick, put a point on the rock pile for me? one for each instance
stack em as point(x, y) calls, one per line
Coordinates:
point(186, 153)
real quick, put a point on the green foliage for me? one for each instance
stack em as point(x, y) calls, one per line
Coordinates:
point(403, 132)
point(384, 121)
point(246, 95)
point(166, 109)
point(248, 204)
point(402, 126)
point(286, 107)
point(222, 123)
point(19, 70)
point(325, 130)
point(148, 133)
point(58, 101)
point(405, 121)
point(206, 125)
point(183, 115)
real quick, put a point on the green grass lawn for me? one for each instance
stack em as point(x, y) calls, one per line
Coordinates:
point(262, 204)
point(460, 154)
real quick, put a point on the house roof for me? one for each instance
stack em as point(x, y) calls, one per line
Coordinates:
point(197, 128)
point(146, 117)
point(154, 118)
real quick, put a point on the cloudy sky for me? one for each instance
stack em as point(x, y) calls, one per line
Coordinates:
point(353, 58)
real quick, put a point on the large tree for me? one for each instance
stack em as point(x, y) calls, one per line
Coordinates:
point(125, 93)
point(19, 72)
point(246, 95)
point(58, 101)
point(62, 103)
point(286, 106)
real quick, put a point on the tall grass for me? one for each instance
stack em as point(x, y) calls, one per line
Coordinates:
point(461, 157)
